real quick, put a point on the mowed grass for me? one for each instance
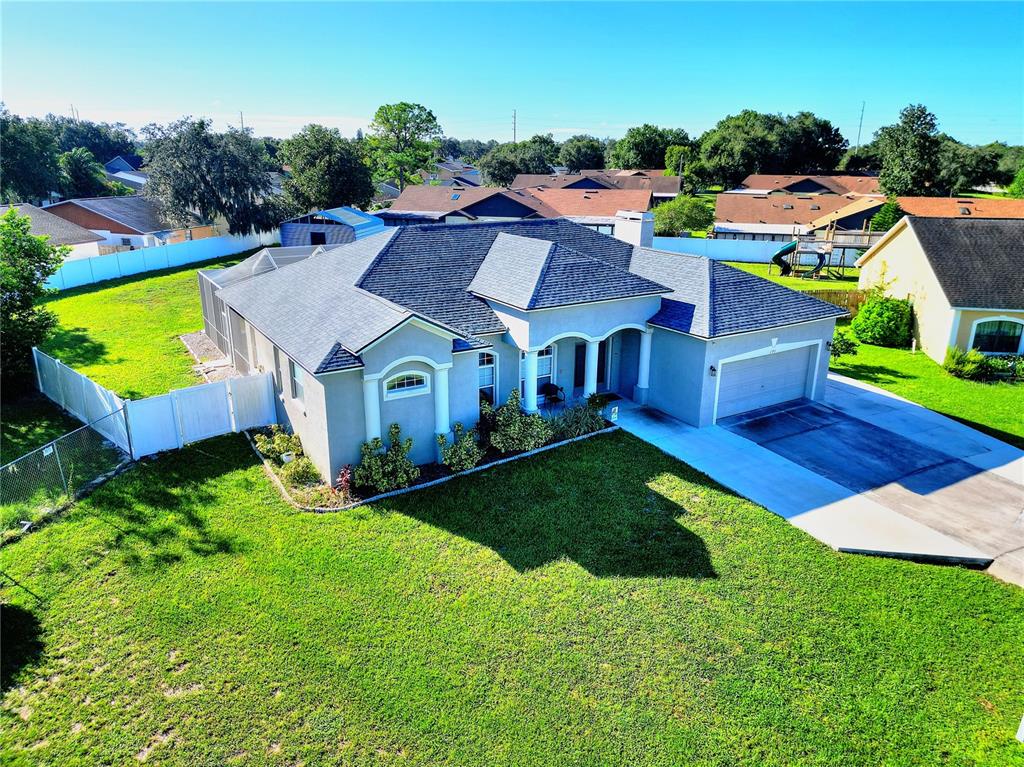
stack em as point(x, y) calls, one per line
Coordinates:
point(124, 334)
point(848, 282)
point(601, 604)
point(995, 408)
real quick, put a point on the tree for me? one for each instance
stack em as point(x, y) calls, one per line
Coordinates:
point(81, 175)
point(682, 161)
point(28, 160)
point(26, 262)
point(886, 216)
point(473, 150)
point(739, 145)
point(104, 140)
point(863, 159)
point(910, 153)
point(963, 167)
point(546, 145)
point(810, 144)
point(503, 163)
point(194, 171)
point(581, 153)
point(327, 170)
point(644, 146)
point(682, 214)
point(1016, 189)
point(449, 147)
point(403, 139)
point(1009, 159)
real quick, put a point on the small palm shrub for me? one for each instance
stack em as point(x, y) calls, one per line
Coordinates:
point(300, 473)
point(883, 321)
point(577, 420)
point(387, 469)
point(464, 452)
point(515, 430)
point(842, 345)
point(971, 365)
point(278, 442)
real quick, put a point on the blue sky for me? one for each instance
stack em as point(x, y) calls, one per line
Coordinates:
point(566, 68)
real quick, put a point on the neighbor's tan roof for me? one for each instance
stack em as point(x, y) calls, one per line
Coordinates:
point(593, 202)
point(836, 183)
point(784, 209)
point(950, 207)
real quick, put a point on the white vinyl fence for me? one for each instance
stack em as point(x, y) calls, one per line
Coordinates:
point(164, 422)
point(85, 271)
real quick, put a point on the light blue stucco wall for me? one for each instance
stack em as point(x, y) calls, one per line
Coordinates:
point(677, 367)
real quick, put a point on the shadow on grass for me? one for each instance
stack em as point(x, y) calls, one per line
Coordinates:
point(21, 644)
point(570, 504)
point(155, 509)
point(871, 373)
point(75, 347)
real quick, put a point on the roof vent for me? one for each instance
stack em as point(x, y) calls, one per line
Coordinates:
point(787, 206)
point(965, 211)
point(815, 207)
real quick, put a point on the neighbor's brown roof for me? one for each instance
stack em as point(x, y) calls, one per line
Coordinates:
point(950, 207)
point(777, 209)
point(837, 184)
point(658, 185)
point(59, 230)
point(448, 199)
point(593, 202)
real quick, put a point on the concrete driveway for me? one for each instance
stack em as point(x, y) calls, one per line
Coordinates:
point(866, 472)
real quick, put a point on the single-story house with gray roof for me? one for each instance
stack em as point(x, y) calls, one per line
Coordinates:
point(82, 242)
point(417, 325)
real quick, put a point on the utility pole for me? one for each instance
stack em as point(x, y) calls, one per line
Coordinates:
point(860, 125)
point(241, 118)
point(513, 126)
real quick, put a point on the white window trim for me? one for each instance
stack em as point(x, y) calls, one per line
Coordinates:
point(554, 366)
point(497, 367)
point(1001, 318)
point(403, 393)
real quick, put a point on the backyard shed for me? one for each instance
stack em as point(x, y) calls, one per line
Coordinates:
point(336, 226)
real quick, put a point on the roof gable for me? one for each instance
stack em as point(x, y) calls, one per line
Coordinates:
point(978, 262)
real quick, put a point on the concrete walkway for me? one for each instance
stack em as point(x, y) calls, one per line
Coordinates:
point(953, 494)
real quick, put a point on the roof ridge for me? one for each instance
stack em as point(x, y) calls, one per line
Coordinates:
point(543, 271)
point(398, 231)
point(711, 297)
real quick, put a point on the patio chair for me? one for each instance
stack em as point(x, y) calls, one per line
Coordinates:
point(552, 393)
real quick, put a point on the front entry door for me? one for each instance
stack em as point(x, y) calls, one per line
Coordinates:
point(579, 372)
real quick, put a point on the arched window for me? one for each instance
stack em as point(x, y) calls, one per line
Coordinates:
point(998, 336)
point(408, 384)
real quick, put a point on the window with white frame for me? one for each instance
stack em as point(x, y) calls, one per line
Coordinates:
point(998, 336)
point(545, 367)
point(298, 381)
point(488, 376)
point(406, 385)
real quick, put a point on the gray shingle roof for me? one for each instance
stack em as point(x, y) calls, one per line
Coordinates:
point(978, 262)
point(59, 230)
point(138, 213)
point(313, 311)
point(713, 299)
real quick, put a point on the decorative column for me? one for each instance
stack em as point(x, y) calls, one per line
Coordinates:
point(643, 372)
point(442, 423)
point(530, 382)
point(590, 369)
point(371, 407)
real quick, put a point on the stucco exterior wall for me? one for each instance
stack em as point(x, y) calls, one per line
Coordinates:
point(901, 265)
point(677, 375)
point(968, 317)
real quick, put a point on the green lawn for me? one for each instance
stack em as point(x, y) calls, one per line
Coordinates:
point(849, 282)
point(124, 334)
point(30, 422)
point(601, 604)
point(994, 408)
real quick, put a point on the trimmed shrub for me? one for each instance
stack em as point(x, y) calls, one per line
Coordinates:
point(883, 321)
point(972, 365)
point(384, 470)
point(1007, 365)
point(578, 420)
point(301, 472)
point(842, 345)
point(464, 452)
point(277, 443)
point(516, 431)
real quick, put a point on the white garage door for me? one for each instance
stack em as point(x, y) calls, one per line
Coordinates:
point(766, 380)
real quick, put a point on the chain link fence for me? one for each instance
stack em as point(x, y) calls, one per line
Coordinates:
point(40, 482)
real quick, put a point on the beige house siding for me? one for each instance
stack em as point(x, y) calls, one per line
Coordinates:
point(901, 265)
point(969, 316)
